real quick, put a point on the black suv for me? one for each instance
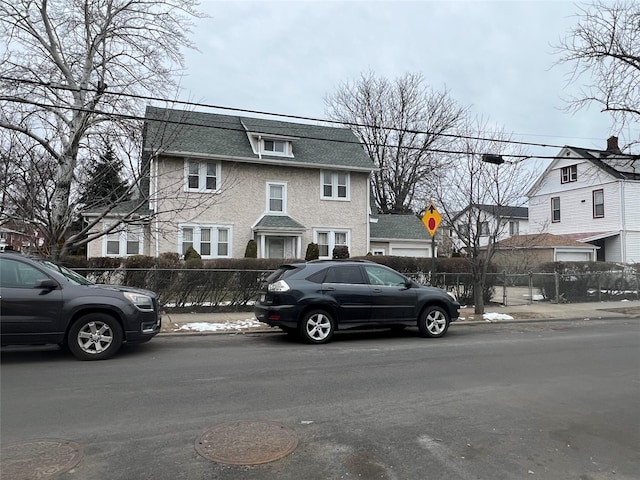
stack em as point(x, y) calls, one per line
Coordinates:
point(314, 299)
point(41, 302)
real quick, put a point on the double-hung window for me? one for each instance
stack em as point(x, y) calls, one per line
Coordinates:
point(202, 176)
point(569, 174)
point(555, 209)
point(125, 240)
point(327, 240)
point(514, 227)
point(598, 203)
point(335, 185)
point(276, 197)
point(210, 241)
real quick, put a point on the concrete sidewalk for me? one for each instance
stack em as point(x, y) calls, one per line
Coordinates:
point(243, 322)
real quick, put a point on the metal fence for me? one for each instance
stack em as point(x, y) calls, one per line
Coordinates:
point(206, 289)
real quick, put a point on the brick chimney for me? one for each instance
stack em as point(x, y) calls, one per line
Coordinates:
point(612, 145)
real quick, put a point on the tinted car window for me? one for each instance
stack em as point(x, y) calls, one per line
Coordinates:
point(344, 274)
point(318, 277)
point(282, 273)
point(382, 276)
point(18, 275)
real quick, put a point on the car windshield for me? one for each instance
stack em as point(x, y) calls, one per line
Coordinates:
point(70, 275)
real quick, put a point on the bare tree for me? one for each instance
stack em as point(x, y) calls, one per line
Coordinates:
point(604, 50)
point(401, 124)
point(72, 78)
point(471, 195)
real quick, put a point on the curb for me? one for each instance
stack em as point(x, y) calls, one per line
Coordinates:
point(473, 322)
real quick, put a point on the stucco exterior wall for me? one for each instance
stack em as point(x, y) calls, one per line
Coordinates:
point(242, 201)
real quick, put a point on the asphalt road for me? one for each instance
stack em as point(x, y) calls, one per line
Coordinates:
point(547, 400)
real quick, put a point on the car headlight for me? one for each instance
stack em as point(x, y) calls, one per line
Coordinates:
point(279, 286)
point(140, 301)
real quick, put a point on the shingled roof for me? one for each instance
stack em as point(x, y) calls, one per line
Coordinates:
point(191, 133)
point(405, 227)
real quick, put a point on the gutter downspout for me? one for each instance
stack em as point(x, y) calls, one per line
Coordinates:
point(623, 231)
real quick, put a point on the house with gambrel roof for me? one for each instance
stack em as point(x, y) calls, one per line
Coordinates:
point(591, 196)
point(218, 181)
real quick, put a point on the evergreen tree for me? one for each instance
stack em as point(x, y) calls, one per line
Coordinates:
point(104, 184)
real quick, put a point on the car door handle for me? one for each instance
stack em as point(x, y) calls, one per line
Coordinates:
point(330, 289)
point(377, 290)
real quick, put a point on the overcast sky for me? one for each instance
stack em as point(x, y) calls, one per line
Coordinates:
point(284, 57)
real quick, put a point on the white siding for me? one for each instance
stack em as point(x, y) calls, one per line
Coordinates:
point(632, 247)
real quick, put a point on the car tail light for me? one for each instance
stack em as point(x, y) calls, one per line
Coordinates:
point(279, 286)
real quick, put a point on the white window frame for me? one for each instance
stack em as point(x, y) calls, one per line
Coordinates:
point(284, 198)
point(335, 175)
point(202, 175)
point(287, 147)
point(213, 241)
point(121, 235)
point(514, 227)
point(331, 234)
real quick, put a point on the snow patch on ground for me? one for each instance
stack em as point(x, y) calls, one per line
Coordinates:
point(226, 326)
point(492, 317)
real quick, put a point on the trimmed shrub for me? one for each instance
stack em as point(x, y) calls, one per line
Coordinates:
point(252, 249)
point(340, 252)
point(169, 260)
point(313, 252)
point(104, 262)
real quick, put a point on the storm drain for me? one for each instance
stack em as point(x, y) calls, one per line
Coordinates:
point(247, 442)
point(38, 459)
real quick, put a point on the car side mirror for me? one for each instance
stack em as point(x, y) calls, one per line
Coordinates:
point(47, 284)
point(408, 284)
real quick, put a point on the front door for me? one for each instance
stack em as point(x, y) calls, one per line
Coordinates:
point(391, 300)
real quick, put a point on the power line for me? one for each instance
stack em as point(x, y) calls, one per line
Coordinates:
point(104, 91)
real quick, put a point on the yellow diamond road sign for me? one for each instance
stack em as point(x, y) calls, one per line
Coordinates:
point(431, 219)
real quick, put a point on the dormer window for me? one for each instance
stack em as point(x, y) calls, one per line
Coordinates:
point(274, 146)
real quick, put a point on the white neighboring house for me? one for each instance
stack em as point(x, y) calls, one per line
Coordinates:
point(484, 222)
point(592, 196)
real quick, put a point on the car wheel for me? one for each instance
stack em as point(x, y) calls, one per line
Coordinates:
point(317, 326)
point(433, 322)
point(95, 336)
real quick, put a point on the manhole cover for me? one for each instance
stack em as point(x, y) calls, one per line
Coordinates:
point(247, 442)
point(38, 459)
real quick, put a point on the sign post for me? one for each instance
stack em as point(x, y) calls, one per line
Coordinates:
point(431, 220)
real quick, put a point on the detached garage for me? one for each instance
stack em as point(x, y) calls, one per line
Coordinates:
point(528, 250)
point(399, 235)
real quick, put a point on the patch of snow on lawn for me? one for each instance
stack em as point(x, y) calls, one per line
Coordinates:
point(214, 327)
point(492, 317)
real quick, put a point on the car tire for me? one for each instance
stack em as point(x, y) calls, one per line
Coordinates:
point(317, 326)
point(433, 322)
point(95, 336)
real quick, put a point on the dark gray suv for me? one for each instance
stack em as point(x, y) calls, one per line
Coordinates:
point(314, 299)
point(41, 303)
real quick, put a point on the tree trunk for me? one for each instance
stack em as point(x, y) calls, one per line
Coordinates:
point(478, 295)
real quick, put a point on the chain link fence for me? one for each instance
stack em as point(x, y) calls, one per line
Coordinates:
point(206, 289)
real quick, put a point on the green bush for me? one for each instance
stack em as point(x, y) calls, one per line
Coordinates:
point(191, 253)
point(169, 260)
point(313, 252)
point(340, 252)
point(104, 262)
point(252, 249)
